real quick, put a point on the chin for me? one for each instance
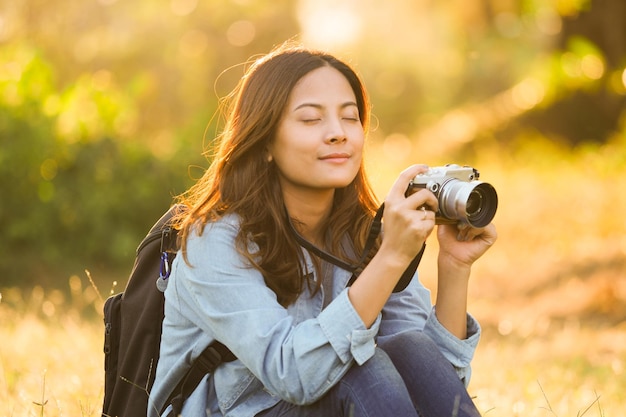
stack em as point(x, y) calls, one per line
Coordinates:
point(340, 183)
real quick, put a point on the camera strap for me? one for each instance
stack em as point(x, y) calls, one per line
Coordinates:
point(357, 268)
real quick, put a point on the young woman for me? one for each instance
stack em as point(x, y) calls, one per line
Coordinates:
point(307, 344)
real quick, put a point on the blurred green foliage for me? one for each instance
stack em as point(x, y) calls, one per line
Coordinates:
point(106, 106)
point(70, 190)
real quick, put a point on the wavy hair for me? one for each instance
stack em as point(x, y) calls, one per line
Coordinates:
point(241, 180)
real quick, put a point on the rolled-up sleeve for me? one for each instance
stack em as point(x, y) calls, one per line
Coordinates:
point(459, 352)
point(348, 335)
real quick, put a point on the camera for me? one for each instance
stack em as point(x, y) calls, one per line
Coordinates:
point(461, 197)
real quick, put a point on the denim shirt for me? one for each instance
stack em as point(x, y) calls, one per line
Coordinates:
point(296, 353)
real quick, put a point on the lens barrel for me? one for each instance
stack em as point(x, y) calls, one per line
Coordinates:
point(472, 202)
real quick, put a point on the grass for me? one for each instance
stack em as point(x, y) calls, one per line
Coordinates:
point(551, 296)
point(51, 364)
point(51, 361)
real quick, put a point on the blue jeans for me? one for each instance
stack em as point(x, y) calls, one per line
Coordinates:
point(406, 377)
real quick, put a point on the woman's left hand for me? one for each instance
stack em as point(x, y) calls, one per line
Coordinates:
point(465, 244)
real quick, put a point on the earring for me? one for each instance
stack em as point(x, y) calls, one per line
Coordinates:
point(270, 158)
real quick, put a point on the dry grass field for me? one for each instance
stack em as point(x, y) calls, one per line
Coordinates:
point(551, 296)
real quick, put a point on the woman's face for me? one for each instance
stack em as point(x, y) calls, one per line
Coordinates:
point(319, 140)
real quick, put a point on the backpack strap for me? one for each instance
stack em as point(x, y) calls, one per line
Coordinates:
point(213, 356)
point(169, 247)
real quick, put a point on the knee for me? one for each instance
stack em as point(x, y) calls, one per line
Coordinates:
point(379, 370)
point(379, 364)
point(408, 340)
point(412, 346)
point(376, 384)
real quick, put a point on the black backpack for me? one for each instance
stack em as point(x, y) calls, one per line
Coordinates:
point(132, 322)
point(133, 319)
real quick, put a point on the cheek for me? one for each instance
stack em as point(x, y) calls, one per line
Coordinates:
point(359, 145)
point(291, 146)
point(288, 158)
point(290, 161)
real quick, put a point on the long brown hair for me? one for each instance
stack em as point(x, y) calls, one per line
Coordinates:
point(241, 180)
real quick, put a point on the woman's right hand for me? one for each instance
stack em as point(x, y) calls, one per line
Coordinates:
point(408, 220)
point(406, 227)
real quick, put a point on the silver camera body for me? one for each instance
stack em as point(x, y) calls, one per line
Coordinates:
point(462, 197)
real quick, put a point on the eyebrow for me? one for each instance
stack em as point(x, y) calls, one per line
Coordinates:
point(319, 106)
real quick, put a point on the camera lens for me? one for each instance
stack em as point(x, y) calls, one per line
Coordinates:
point(481, 205)
point(472, 202)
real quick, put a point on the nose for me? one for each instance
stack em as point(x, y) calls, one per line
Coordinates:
point(337, 139)
point(336, 133)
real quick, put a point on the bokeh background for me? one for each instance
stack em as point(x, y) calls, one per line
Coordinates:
point(106, 108)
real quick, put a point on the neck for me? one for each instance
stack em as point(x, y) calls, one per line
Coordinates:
point(309, 210)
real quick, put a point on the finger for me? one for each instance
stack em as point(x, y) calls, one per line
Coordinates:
point(424, 212)
point(399, 187)
point(467, 232)
point(489, 235)
point(424, 198)
point(428, 214)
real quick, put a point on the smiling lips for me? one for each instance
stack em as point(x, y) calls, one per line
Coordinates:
point(335, 157)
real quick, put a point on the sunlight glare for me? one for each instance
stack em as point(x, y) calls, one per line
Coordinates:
point(101, 80)
point(48, 308)
point(459, 126)
point(617, 81)
point(241, 33)
point(505, 327)
point(528, 93)
point(592, 67)
point(49, 169)
point(519, 408)
point(549, 21)
point(183, 7)
point(327, 23)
